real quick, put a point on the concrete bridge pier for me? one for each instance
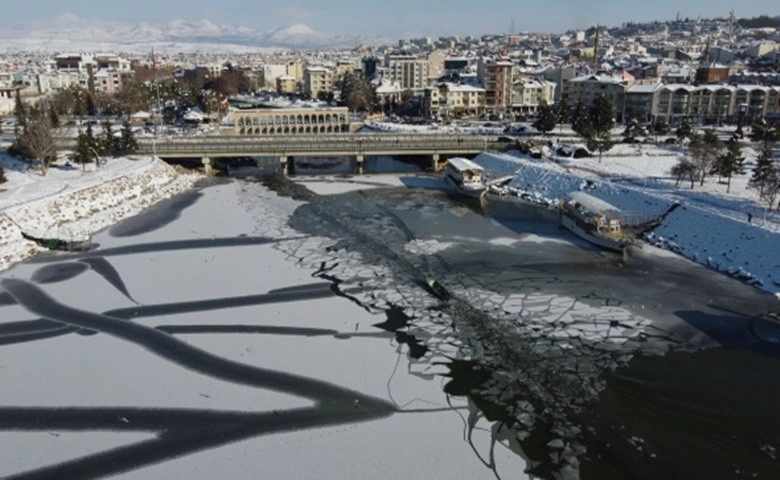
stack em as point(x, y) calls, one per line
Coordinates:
point(359, 159)
point(435, 162)
point(208, 165)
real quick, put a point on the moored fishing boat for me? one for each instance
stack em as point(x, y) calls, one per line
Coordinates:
point(465, 177)
point(594, 220)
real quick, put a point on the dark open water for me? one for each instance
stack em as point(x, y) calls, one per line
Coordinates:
point(604, 366)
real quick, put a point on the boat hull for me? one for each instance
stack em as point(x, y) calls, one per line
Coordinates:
point(466, 190)
point(594, 238)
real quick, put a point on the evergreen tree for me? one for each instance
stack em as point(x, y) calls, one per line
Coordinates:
point(20, 112)
point(685, 130)
point(84, 153)
point(602, 119)
point(771, 187)
point(86, 147)
point(660, 127)
point(546, 120)
point(127, 143)
point(580, 123)
point(762, 174)
point(107, 144)
point(730, 162)
point(564, 111)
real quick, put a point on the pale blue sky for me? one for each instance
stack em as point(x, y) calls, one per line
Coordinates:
point(395, 18)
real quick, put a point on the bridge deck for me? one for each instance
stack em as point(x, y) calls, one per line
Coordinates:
point(324, 145)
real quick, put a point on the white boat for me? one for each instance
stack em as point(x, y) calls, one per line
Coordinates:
point(594, 220)
point(465, 177)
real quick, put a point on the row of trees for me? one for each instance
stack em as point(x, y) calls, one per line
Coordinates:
point(593, 123)
point(37, 128)
point(707, 155)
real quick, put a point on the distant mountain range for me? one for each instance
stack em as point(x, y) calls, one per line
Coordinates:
point(69, 29)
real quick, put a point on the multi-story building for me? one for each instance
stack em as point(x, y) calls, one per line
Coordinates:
point(453, 100)
point(408, 70)
point(529, 93)
point(435, 65)
point(8, 98)
point(272, 71)
point(496, 76)
point(317, 81)
point(103, 72)
point(286, 84)
point(388, 93)
point(716, 104)
point(587, 87)
point(109, 81)
point(639, 101)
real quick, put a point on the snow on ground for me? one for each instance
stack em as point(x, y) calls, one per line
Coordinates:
point(71, 204)
point(711, 227)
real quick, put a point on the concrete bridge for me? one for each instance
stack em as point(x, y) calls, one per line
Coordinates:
point(433, 147)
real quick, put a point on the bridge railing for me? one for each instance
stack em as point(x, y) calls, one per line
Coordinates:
point(346, 144)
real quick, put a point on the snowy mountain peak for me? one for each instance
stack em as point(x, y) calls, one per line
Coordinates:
point(66, 28)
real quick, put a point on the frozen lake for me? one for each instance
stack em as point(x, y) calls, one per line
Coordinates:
point(257, 329)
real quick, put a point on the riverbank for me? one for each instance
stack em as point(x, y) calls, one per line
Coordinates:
point(71, 204)
point(729, 232)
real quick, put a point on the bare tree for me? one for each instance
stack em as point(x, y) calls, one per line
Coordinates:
point(37, 142)
point(684, 169)
point(704, 150)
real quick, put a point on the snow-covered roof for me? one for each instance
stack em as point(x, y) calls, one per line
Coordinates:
point(598, 78)
point(591, 203)
point(644, 88)
point(461, 164)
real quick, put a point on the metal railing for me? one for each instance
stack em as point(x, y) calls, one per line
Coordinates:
point(335, 144)
point(330, 144)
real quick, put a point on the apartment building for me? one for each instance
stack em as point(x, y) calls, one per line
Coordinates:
point(496, 76)
point(410, 71)
point(286, 84)
point(452, 100)
point(317, 81)
point(529, 93)
point(716, 104)
point(588, 87)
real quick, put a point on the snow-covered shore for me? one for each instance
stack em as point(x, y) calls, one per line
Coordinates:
point(71, 204)
point(711, 227)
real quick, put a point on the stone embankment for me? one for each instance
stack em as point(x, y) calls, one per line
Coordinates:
point(76, 214)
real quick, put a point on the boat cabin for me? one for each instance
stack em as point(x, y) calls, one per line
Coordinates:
point(594, 212)
point(464, 172)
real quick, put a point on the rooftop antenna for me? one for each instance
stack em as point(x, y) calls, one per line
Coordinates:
point(512, 26)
